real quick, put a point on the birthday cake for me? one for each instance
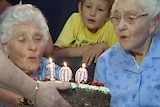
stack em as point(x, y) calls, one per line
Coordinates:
point(85, 95)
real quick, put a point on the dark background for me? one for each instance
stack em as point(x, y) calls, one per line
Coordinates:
point(57, 12)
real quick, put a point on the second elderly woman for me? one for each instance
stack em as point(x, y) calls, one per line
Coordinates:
point(131, 69)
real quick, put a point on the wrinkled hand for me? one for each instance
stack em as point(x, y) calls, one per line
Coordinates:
point(93, 52)
point(48, 96)
point(14, 100)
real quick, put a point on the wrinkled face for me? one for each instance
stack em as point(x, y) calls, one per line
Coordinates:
point(94, 13)
point(134, 25)
point(26, 47)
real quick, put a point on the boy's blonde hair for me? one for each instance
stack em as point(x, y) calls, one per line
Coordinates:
point(110, 3)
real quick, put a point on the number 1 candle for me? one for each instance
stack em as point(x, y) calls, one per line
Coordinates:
point(51, 67)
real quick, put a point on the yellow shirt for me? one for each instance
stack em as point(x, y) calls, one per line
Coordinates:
point(75, 34)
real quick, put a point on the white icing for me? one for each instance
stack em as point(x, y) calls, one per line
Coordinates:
point(102, 89)
point(86, 86)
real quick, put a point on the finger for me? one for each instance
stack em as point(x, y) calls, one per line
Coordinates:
point(96, 58)
point(62, 85)
point(90, 60)
point(85, 58)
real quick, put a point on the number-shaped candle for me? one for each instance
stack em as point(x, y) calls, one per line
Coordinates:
point(81, 74)
point(52, 70)
point(65, 73)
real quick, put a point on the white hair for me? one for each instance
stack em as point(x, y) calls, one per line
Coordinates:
point(19, 14)
point(151, 7)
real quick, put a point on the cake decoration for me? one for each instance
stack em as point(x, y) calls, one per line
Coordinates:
point(81, 74)
point(85, 95)
point(52, 69)
point(65, 73)
point(102, 89)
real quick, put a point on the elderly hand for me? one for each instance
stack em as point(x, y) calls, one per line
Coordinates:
point(48, 96)
point(93, 52)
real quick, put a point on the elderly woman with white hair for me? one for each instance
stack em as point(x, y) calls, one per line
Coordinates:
point(24, 35)
point(131, 69)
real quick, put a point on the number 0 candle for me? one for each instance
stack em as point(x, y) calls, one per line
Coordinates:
point(81, 74)
point(65, 73)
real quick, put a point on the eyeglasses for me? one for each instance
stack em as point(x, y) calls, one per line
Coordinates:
point(128, 18)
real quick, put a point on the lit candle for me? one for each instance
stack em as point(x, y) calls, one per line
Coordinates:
point(81, 74)
point(51, 67)
point(65, 73)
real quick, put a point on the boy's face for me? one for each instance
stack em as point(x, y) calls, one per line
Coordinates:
point(94, 13)
point(26, 47)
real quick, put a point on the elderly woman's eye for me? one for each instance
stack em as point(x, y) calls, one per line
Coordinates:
point(131, 16)
point(38, 38)
point(22, 39)
point(115, 18)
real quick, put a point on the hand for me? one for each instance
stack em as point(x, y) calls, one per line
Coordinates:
point(8, 98)
point(93, 52)
point(14, 100)
point(48, 96)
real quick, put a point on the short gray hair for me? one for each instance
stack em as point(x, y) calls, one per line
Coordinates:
point(19, 14)
point(151, 7)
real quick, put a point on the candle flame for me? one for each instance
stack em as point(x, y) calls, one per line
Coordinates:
point(83, 65)
point(65, 64)
point(50, 60)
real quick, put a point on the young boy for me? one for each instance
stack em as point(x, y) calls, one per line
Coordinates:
point(88, 33)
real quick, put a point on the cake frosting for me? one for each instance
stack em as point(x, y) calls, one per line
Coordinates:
point(102, 89)
point(86, 95)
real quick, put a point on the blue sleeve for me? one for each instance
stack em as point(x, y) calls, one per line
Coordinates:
point(100, 71)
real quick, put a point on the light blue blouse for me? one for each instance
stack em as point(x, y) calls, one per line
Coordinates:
point(131, 85)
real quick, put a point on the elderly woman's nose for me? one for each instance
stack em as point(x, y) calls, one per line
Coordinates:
point(121, 25)
point(32, 45)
